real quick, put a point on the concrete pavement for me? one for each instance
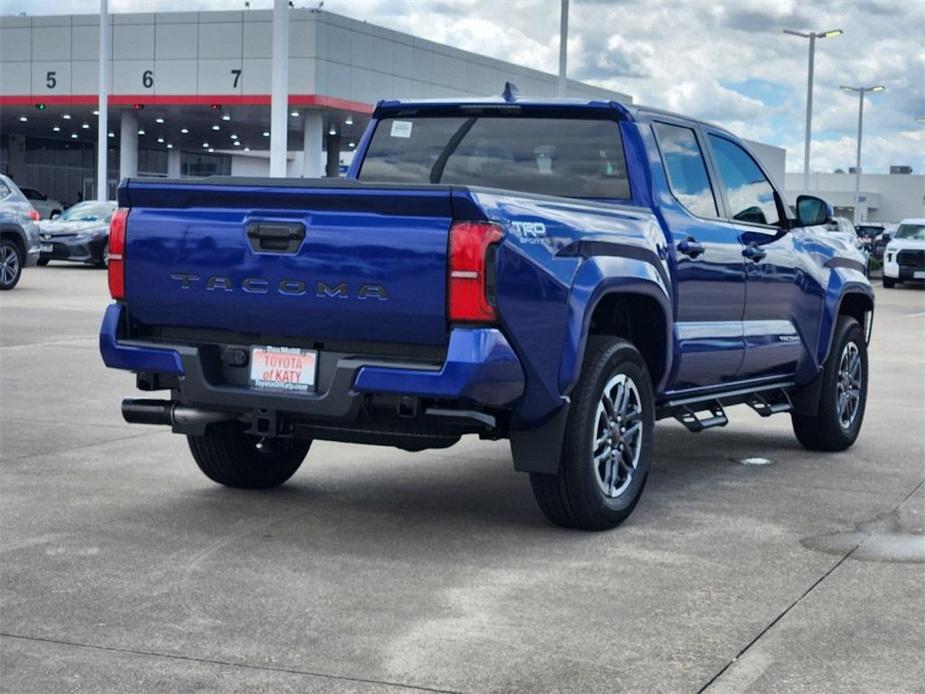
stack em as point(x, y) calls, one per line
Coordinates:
point(125, 569)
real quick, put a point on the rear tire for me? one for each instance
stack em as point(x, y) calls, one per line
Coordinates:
point(603, 466)
point(888, 283)
point(842, 396)
point(227, 455)
point(11, 259)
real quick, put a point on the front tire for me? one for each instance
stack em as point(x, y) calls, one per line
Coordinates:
point(607, 449)
point(227, 455)
point(10, 264)
point(842, 396)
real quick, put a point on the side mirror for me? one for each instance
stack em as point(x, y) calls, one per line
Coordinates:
point(812, 211)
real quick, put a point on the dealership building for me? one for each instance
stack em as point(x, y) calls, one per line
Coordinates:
point(883, 197)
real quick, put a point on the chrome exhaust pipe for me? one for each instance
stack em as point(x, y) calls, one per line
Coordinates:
point(171, 413)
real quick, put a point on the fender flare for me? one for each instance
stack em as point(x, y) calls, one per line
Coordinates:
point(835, 298)
point(599, 279)
point(539, 449)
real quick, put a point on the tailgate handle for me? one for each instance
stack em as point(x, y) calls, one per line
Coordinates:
point(275, 237)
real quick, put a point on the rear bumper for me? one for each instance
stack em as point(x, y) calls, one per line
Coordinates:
point(480, 369)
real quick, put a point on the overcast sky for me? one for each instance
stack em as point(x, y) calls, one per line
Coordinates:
point(722, 60)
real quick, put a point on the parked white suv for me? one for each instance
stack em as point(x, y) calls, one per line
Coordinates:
point(904, 257)
point(46, 207)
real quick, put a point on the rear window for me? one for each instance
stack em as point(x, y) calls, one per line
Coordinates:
point(551, 156)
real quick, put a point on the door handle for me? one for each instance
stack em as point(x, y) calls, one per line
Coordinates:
point(691, 247)
point(754, 253)
point(275, 237)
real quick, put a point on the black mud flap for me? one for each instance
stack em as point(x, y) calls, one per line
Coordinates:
point(539, 449)
point(806, 399)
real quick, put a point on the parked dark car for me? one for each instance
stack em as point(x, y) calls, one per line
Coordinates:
point(868, 234)
point(80, 234)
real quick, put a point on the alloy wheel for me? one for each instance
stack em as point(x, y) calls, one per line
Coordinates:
point(848, 386)
point(9, 265)
point(618, 432)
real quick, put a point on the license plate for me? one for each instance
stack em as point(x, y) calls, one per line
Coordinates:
point(919, 275)
point(283, 368)
point(45, 248)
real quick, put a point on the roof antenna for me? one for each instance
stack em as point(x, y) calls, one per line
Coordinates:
point(511, 92)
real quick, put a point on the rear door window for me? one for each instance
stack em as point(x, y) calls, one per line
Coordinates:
point(687, 172)
point(553, 156)
point(748, 191)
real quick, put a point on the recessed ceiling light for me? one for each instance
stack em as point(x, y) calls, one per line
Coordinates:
point(23, 119)
point(266, 133)
point(112, 134)
point(211, 150)
point(73, 136)
point(158, 120)
point(96, 113)
point(349, 120)
point(332, 130)
point(160, 140)
point(247, 149)
point(205, 145)
point(85, 126)
point(141, 131)
point(169, 146)
point(216, 127)
point(184, 130)
point(294, 114)
point(237, 143)
point(56, 129)
point(352, 145)
point(226, 117)
point(66, 116)
point(233, 136)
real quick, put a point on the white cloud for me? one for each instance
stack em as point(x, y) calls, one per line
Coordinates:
point(684, 56)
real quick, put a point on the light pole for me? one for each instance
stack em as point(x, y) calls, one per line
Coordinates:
point(857, 166)
point(563, 49)
point(102, 125)
point(812, 36)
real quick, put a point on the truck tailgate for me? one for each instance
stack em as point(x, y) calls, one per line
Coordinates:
point(332, 261)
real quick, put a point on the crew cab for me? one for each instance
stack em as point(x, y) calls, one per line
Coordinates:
point(557, 273)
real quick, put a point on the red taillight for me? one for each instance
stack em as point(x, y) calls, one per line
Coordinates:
point(469, 285)
point(117, 254)
point(34, 215)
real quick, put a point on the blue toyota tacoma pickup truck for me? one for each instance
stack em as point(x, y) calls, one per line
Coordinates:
point(560, 274)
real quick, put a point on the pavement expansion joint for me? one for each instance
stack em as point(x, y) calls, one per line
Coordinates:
point(872, 527)
point(226, 663)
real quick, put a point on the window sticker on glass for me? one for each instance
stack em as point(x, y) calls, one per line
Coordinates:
point(401, 128)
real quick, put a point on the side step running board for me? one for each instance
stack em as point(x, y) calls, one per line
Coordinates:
point(706, 412)
point(690, 419)
point(766, 406)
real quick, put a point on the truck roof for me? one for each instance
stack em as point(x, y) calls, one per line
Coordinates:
point(508, 100)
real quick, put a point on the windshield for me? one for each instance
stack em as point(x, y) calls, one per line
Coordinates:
point(88, 212)
point(914, 232)
point(552, 156)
